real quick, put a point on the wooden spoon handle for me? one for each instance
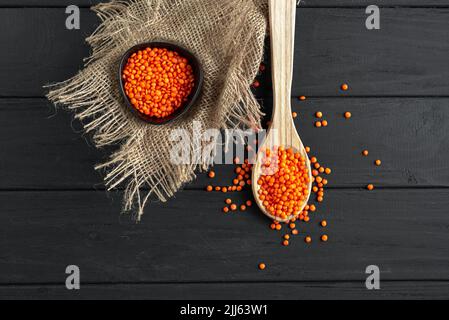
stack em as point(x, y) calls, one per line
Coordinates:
point(282, 33)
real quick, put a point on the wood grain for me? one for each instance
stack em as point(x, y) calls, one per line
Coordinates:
point(404, 233)
point(400, 290)
point(304, 3)
point(44, 150)
point(407, 57)
point(399, 84)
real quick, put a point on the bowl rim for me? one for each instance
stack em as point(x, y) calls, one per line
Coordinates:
point(192, 98)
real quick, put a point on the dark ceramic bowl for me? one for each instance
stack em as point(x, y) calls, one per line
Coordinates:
point(191, 99)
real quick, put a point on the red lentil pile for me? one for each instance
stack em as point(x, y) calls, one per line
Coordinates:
point(283, 190)
point(157, 81)
point(242, 180)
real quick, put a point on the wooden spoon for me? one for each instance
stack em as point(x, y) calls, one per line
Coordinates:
point(282, 131)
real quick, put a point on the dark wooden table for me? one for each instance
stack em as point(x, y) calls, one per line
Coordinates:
point(55, 212)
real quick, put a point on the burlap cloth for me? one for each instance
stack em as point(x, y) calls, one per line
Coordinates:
point(226, 35)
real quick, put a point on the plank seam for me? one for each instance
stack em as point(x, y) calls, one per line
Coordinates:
point(354, 188)
point(404, 187)
point(443, 6)
point(130, 283)
point(292, 97)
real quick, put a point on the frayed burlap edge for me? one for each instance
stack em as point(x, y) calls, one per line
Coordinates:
point(227, 36)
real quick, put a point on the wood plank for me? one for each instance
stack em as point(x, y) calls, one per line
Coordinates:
point(332, 46)
point(402, 290)
point(191, 240)
point(304, 3)
point(410, 136)
point(383, 3)
point(39, 50)
point(40, 145)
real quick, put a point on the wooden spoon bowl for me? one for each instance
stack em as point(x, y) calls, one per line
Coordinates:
point(282, 131)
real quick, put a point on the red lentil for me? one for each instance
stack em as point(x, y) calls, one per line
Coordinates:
point(283, 192)
point(157, 81)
